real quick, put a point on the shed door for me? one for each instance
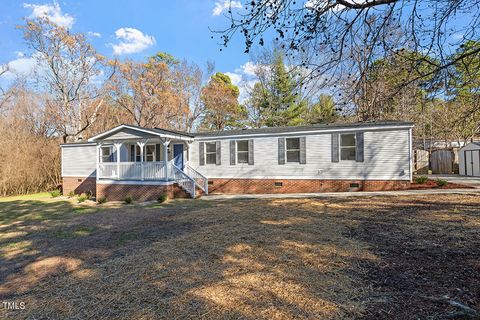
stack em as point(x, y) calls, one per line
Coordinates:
point(476, 163)
point(469, 163)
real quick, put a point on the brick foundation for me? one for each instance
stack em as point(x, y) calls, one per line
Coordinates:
point(79, 185)
point(118, 192)
point(240, 186)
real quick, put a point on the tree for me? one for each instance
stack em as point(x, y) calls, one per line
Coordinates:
point(275, 98)
point(220, 98)
point(324, 111)
point(325, 33)
point(145, 91)
point(188, 80)
point(68, 70)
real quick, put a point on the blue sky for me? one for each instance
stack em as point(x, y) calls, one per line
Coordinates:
point(131, 29)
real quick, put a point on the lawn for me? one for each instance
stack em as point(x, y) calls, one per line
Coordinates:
point(361, 257)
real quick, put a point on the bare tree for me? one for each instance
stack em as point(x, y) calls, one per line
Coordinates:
point(5, 94)
point(69, 70)
point(145, 91)
point(329, 30)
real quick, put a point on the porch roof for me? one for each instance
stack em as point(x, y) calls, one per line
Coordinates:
point(157, 132)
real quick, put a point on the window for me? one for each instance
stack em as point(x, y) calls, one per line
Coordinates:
point(347, 146)
point(293, 149)
point(107, 154)
point(149, 153)
point(211, 152)
point(242, 151)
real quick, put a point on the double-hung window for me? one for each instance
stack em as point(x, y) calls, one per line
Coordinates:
point(293, 149)
point(242, 151)
point(347, 146)
point(107, 154)
point(149, 151)
point(211, 152)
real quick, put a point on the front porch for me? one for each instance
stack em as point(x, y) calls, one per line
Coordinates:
point(133, 155)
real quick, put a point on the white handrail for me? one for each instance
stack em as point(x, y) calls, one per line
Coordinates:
point(183, 180)
point(200, 179)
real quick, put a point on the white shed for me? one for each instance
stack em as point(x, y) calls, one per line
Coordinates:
point(469, 159)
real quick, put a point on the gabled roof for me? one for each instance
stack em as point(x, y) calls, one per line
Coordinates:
point(167, 133)
point(154, 131)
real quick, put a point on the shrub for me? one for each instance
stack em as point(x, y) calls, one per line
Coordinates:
point(71, 194)
point(421, 179)
point(82, 198)
point(441, 182)
point(89, 194)
point(102, 200)
point(55, 193)
point(163, 197)
point(128, 200)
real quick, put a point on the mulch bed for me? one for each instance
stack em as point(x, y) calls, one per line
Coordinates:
point(432, 184)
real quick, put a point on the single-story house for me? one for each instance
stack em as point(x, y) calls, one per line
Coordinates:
point(144, 162)
point(469, 160)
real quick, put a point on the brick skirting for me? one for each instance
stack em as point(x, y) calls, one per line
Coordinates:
point(118, 192)
point(239, 186)
point(79, 185)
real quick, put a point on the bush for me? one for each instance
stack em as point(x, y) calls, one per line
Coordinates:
point(102, 200)
point(128, 200)
point(82, 198)
point(71, 194)
point(89, 194)
point(162, 198)
point(421, 179)
point(55, 193)
point(441, 182)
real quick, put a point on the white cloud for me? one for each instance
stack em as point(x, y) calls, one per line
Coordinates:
point(94, 34)
point(235, 77)
point(221, 6)
point(131, 41)
point(22, 66)
point(51, 11)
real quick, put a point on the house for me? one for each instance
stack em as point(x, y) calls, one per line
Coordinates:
point(144, 162)
point(469, 159)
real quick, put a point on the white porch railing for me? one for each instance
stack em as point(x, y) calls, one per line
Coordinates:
point(132, 170)
point(200, 179)
point(183, 180)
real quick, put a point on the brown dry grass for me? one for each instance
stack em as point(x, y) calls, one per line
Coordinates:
point(270, 259)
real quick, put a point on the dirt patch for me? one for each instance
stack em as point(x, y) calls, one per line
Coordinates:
point(370, 257)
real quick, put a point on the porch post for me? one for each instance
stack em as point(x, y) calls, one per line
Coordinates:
point(189, 144)
point(97, 173)
point(165, 157)
point(118, 146)
point(141, 144)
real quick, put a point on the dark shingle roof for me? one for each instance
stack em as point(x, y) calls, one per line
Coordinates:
point(319, 127)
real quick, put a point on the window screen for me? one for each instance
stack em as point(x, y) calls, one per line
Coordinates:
point(210, 152)
point(347, 146)
point(293, 149)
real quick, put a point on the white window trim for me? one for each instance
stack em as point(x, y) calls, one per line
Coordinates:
point(286, 149)
point(349, 147)
point(236, 151)
point(110, 148)
point(205, 153)
point(145, 155)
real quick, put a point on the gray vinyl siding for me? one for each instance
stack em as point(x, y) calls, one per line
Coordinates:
point(126, 134)
point(79, 161)
point(386, 157)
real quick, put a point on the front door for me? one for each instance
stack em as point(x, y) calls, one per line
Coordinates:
point(178, 155)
